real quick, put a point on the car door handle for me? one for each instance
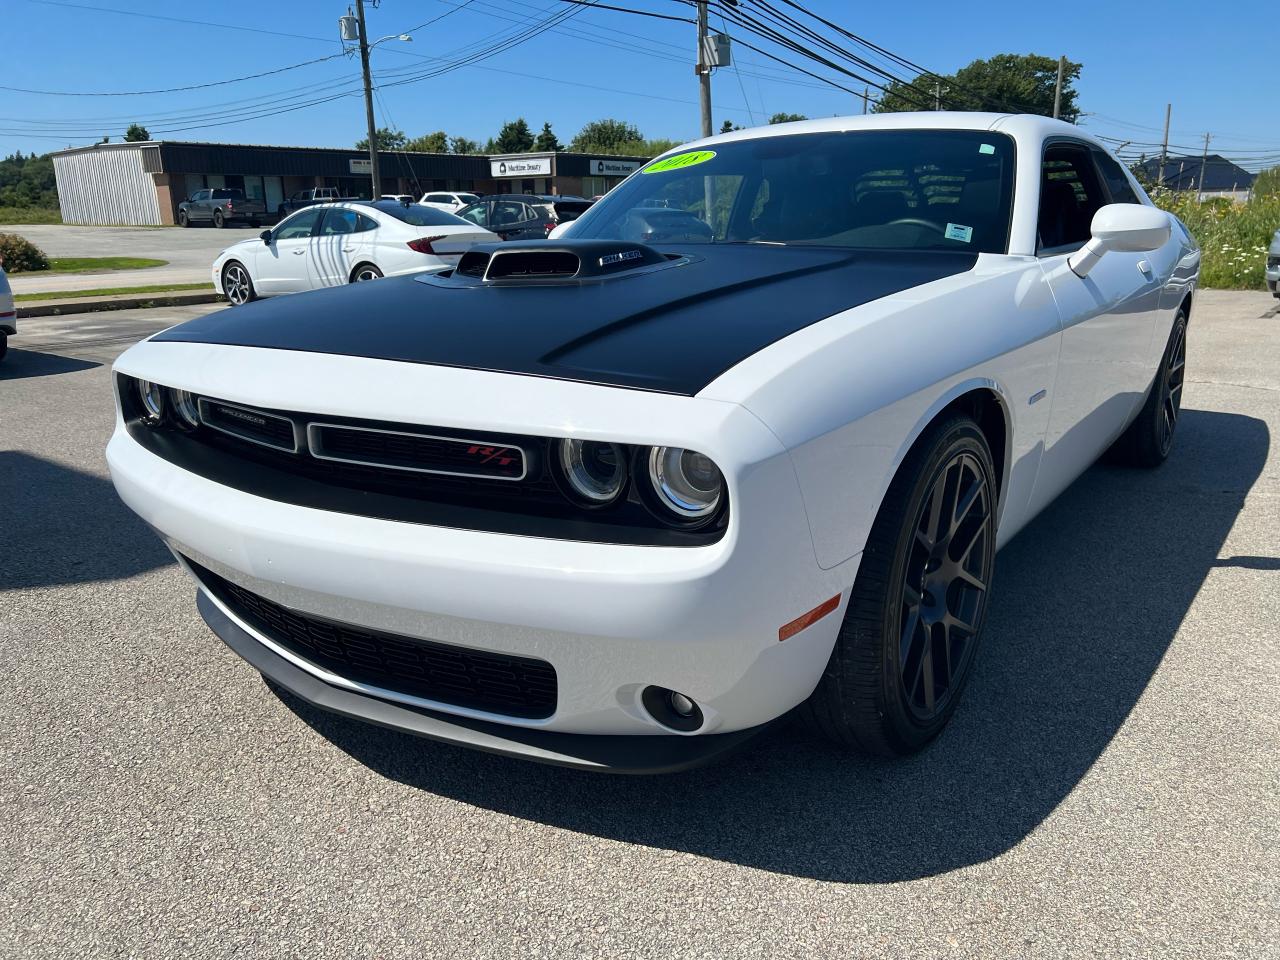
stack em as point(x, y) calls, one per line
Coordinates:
point(1145, 269)
point(298, 253)
point(348, 249)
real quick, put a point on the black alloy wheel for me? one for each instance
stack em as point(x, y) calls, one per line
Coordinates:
point(1148, 441)
point(944, 586)
point(915, 615)
point(1174, 373)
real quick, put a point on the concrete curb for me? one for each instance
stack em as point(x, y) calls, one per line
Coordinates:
point(54, 308)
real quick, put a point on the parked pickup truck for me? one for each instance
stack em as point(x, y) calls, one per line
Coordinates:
point(220, 206)
point(306, 198)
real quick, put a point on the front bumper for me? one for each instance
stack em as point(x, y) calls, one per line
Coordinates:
point(611, 619)
point(603, 754)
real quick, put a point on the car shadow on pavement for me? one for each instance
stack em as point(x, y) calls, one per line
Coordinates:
point(21, 364)
point(62, 526)
point(1087, 600)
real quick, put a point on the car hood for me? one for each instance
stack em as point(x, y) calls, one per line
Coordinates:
point(672, 329)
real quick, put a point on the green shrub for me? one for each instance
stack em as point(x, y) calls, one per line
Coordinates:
point(20, 254)
point(1233, 237)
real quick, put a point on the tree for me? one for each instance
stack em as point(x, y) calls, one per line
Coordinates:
point(136, 133)
point(1006, 83)
point(514, 137)
point(787, 117)
point(729, 126)
point(27, 181)
point(437, 142)
point(547, 140)
point(1267, 183)
point(463, 145)
point(386, 138)
point(605, 136)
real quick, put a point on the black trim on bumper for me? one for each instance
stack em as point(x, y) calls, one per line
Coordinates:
point(600, 753)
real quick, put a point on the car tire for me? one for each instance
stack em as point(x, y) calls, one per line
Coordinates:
point(237, 284)
point(915, 611)
point(4, 344)
point(1147, 441)
point(183, 219)
point(218, 220)
point(364, 272)
point(255, 223)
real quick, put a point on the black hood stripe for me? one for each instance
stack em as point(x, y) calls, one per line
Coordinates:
point(672, 330)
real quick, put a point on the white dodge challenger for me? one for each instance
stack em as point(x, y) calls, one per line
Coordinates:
point(744, 443)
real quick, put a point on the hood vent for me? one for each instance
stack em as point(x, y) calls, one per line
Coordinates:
point(541, 261)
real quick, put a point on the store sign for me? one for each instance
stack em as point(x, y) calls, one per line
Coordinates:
point(609, 167)
point(364, 166)
point(535, 167)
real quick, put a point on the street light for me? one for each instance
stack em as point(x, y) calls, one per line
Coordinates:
point(356, 31)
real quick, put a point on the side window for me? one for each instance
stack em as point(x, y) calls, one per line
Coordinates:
point(508, 212)
point(477, 214)
point(299, 225)
point(365, 224)
point(338, 221)
point(1070, 194)
point(440, 198)
point(200, 195)
point(1117, 183)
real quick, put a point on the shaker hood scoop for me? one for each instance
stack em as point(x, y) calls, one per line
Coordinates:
point(671, 320)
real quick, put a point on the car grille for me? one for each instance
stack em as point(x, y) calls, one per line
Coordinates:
point(402, 450)
point(256, 426)
point(1273, 261)
point(477, 680)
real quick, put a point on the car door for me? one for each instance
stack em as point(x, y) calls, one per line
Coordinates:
point(198, 209)
point(345, 238)
point(477, 213)
point(1108, 319)
point(511, 220)
point(283, 266)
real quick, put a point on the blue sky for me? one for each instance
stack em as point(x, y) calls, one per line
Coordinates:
point(595, 64)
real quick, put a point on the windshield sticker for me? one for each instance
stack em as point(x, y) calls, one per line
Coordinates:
point(956, 231)
point(987, 148)
point(680, 161)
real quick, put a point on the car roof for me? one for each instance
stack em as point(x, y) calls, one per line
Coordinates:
point(1021, 126)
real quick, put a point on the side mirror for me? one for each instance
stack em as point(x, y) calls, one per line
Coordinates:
point(265, 237)
point(1124, 227)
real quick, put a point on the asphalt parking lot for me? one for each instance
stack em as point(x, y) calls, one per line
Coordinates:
point(1108, 787)
point(189, 252)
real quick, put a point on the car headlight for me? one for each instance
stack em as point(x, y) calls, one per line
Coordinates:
point(184, 404)
point(152, 397)
point(686, 482)
point(595, 471)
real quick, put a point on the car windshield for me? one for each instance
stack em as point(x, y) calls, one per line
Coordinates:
point(880, 190)
point(416, 215)
point(467, 197)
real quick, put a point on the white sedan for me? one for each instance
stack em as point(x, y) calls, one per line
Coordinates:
point(747, 441)
point(332, 244)
point(447, 200)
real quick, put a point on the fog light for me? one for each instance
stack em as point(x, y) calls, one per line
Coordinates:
point(672, 709)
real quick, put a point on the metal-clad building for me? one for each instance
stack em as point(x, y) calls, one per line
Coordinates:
point(108, 184)
point(143, 183)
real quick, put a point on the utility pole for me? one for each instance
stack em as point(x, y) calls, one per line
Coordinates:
point(375, 175)
point(704, 99)
point(937, 95)
point(1164, 147)
point(1057, 88)
point(704, 70)
point(866, 95)
point(1204, 166)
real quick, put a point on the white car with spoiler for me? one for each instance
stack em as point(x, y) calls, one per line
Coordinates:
point(331, 244)
point(745, 442)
